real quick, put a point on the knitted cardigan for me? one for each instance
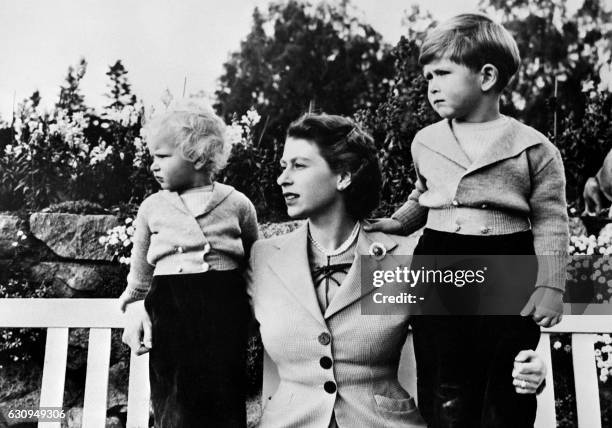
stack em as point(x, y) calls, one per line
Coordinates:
point(519, 183)
point(170, 240)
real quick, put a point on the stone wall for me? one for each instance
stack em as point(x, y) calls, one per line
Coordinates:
point(62, 251)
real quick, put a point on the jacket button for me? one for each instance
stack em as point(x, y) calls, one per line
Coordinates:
point(457, 227)
point(324, 338)
point(329, 387)
point(325, 362)
point(205, 267)
point(455, 202)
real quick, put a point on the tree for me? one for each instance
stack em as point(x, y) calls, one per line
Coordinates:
point(299, 57)
point(554, 46)
point(119, 86)
point(70, 97)
point(396, 121)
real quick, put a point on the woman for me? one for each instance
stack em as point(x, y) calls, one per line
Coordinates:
point(337, 367)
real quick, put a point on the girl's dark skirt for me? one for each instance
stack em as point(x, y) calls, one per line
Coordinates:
point(464, 363)
point(197, 364)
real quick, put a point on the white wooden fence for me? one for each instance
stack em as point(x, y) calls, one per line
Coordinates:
point(100, 315)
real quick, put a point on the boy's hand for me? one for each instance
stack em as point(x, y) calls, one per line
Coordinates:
point(545, 306)
point(137, 330)
point(387, 225)
point(529, 372)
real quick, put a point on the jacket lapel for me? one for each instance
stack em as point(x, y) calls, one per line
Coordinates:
point(291, 265)
point(508, 145)
point(175, 200)
point(219, 193)
point(444, 143)
point(351, 288)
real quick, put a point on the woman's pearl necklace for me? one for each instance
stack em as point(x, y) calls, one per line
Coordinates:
point(342, 248)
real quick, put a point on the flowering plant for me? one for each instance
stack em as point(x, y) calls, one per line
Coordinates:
point(591, 263)
point(66, 155)
point(118, 241)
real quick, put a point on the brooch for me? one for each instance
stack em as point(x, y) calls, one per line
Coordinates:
point(377, 250)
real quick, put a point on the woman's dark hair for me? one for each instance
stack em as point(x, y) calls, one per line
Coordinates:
point(346, 148)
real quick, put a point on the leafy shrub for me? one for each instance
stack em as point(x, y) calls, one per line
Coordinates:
point(396, 121)
point(63, 155)
point(20, 344)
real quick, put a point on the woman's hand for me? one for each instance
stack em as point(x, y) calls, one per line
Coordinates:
point(137, 330)
point(529, 372)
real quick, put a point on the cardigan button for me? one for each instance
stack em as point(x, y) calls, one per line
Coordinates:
point(484, 230)
point(329, 387)
point(455, 202)
point(324, 338)
point(325, 362)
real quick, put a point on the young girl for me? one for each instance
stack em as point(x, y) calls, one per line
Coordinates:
point(191, 241)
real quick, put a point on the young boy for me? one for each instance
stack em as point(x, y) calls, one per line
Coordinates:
point(486, 184)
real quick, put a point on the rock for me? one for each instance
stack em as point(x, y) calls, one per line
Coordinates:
point(18, 379)
point(9, 225)
point(114, 422)
point(74, 418)
point(73, 236)
point(28, 401)
point(76, 276)
point(117, 385)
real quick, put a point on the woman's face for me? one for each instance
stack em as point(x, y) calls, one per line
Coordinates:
point(309, 186)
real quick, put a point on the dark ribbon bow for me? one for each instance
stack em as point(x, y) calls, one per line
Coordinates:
point(321, 273)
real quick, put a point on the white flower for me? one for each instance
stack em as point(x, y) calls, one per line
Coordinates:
point(518, 101)
point(588, 86)
point(235, 133)
point(99, 153)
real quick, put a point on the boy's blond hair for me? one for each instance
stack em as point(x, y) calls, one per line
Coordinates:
point(196, 130)
point(473, 40)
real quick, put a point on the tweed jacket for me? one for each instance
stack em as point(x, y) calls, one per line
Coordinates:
point(170, 240)
point(360, 386)
point(518, 184)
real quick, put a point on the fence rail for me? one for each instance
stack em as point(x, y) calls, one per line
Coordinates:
point(101, 315)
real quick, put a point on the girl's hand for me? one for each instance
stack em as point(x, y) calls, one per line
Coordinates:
point(123, 302)
point(529, 372)
point(137, 330)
